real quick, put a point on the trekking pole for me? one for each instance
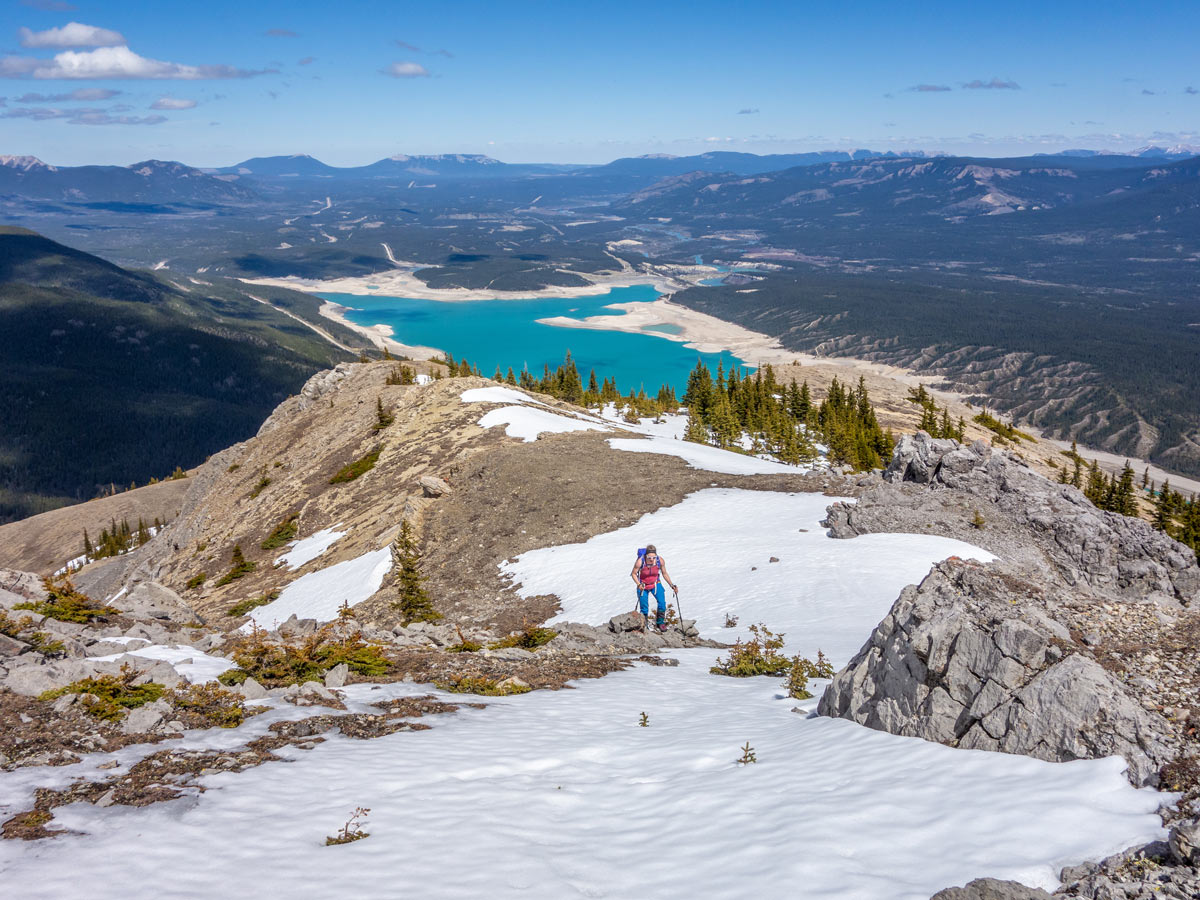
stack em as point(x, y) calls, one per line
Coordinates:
point(678, 608)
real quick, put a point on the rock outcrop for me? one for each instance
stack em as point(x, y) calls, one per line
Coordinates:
point(972, 657)
point(1055, 650)
point(1028, 520)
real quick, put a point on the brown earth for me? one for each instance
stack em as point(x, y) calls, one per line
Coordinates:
point(44, 543)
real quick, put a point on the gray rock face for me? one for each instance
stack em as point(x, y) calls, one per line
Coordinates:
point(151, 600)
point(972, 658)
point(992, 889)
point(1060, 531)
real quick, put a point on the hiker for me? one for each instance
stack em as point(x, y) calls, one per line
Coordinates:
point(646, 573)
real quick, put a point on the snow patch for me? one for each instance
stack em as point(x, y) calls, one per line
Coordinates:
point(309, 548)
point(319, 595)
point(495, 395)
point(195, 666)
point(701, 456)
point(528, 424)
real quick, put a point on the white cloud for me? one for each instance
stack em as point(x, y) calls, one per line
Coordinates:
point(406, 70)
point(112, 62)
point(79, 95)
point(80, 116)
point(73, 34)
point(172, 103)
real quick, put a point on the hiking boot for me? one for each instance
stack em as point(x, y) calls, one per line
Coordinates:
point(661, 628)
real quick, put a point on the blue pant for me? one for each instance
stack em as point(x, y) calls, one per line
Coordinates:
point(644, 600)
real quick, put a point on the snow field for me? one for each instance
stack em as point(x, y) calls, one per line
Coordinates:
point(319, 595)
point(528, 424)
point(310, 548)
point(496, 394)
point(562, 794)
point(717, 545)
point(700, 456)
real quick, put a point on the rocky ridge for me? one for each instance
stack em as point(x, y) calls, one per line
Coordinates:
point(1074, 644)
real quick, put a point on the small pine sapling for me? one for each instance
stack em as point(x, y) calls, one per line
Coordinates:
point(239, 567)
point(730, 621)
point(644, 721)
point(748, 755)
point(977, 521)
point(352, 831)
point(414, 603)
point(383, 418)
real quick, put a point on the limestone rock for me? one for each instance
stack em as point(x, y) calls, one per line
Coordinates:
point(151, 600)
point(432, 486)
point(250, 689)
point(962, 659)
point(336, 677)
point(11, 646)
point(1184, 842)
point(992, 889)
point(630, 621)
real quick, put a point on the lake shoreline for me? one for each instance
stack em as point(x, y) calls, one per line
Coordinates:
point(707, 334)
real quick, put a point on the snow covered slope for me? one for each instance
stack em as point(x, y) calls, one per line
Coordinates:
point(562, 794)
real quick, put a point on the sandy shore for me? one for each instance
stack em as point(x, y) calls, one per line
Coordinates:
point(379, 335)
point(708, 334)
point(402, 282)
point(696, 331)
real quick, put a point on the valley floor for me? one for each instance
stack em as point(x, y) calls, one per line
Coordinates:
point(563, 794)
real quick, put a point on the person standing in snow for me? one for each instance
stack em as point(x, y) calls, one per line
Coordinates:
point(648, 574)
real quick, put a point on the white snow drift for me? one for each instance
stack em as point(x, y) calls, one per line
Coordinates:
point(309, 548)
point(319, 595)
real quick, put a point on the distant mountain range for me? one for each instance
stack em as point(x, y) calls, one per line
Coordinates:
point(901, 188)
point(164, 182)
point(108, 374)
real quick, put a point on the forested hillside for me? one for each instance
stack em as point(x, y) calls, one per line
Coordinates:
point(109, 377)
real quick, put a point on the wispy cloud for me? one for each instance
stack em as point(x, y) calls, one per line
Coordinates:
point(172, 103)
point(413, 48)
point(73, 34)
point(405, 45)
point(80, 116)
point(996, 84)
point(747, 112)
point(1146, 92)
point(406, 70)
point(79, 95)
point(280, 32)
point(1190, 90)
point(307, 61)
point(443, 52)
point(928, 88)
point(114, 63)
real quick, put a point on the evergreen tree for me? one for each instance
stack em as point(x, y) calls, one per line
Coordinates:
point(1125, 499)
point(413, 602)
point(696, 432)
point(88, 550)
point(1164, 508)
point(499, 376)
point(510, 378)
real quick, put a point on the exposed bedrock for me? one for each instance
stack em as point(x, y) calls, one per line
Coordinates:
point(1073, 645)
point(972, 657)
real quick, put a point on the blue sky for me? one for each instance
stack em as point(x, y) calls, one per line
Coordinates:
point(350, 82)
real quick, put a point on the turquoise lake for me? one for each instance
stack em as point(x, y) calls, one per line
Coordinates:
point(505, 333)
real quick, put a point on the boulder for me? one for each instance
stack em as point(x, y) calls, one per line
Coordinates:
point(432, 486)
point(1184, 841)
point(992, 889)
point(252, 690)
point(630, 621)
point(11, 646)
point(336, 677)
point(145, 718)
